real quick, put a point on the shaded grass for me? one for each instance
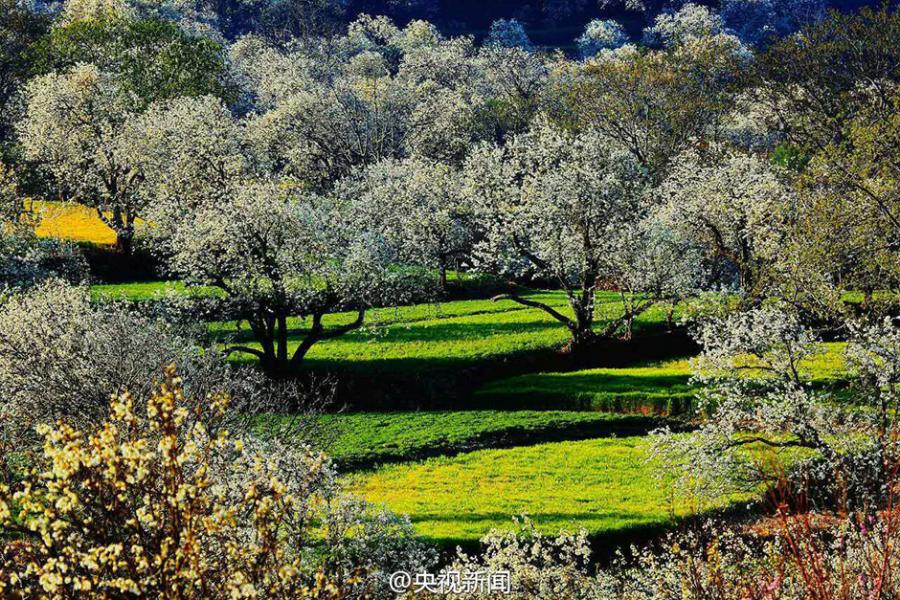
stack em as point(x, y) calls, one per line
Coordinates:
point(366, 439)
point(603, 485)
point(656, 388)
point(447, 336)
point(660, 388)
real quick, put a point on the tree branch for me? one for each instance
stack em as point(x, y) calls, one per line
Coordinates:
point(773, 444)
point(534, 304)
point(232, 349)
point(339, 331)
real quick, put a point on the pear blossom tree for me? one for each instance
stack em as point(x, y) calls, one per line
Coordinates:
point(275, 252)
point(265, 75)
point(655, 103)
point(508, 33)
point(656, 265)
point(601, 35)
point(759, 22)
point(690, 22)
point(755, 377)
point(513, 80)
point(82, 10)
point(190, 152)
point(11, 207)
point(557, 206)
point(417, 205)
point(73, 126)
point(737, 206)
point(319, 135)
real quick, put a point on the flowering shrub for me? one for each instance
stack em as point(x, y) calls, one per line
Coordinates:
point(541, 567)
point(834, 533)
point(157, 505)
point(62, 356)
point(26, 261)
point(810, 555)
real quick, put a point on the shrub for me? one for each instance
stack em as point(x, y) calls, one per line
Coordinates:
point(62, 358)
point(156, 504)
point(26, 261)
point(808, 555)
point(540, 567)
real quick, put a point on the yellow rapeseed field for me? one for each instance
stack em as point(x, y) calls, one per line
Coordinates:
point(70, 221)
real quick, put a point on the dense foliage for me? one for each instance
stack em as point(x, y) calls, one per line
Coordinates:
point(163, 501)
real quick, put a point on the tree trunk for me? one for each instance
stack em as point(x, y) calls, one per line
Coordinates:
point(442, 282)
point(583, 336)
point(867, 300)
point(582, 340)
point(125, 243)
point(281, 335)
point(629, 326)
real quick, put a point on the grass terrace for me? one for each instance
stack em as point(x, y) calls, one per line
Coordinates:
point(362, 440)
point(605, 485)
point(451, 335)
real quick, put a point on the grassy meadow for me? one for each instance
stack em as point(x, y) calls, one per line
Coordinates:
point(450, 335)
point(657, 388)
point(604, 485)
point(577, 457)
point(567, 449)
point(409, 460)
point(366, 439)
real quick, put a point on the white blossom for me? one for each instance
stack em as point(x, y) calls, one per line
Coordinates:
point(556, 206)
point(74, 126)
point(601, 35)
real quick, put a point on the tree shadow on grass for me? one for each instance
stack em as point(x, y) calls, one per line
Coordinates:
point(624, 426)
point(446, 381)
point(605, 545)
point(623, 393)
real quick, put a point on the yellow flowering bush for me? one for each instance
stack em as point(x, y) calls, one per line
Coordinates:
point(157, 506)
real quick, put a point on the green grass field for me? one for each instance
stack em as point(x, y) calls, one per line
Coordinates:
point(447, 336)
point(143, 291)
point(656, 388)
point(409, 339)
point(364, 439)
point(661, 388)
point(604, 485)
point(579, 460)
